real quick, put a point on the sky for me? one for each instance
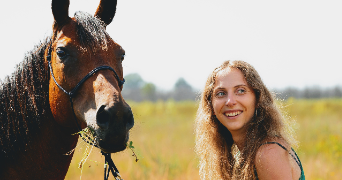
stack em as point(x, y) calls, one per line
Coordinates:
point(293, 43)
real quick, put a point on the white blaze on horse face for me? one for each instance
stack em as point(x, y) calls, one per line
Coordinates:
point(105, 93)
point(90, 118)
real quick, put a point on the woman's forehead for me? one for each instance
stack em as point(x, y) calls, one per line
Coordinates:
point(230, 76)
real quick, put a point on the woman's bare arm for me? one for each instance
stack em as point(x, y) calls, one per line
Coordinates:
point(272, 162)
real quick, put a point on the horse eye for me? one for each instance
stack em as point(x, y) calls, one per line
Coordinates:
point(61, 54)
point(122, 57)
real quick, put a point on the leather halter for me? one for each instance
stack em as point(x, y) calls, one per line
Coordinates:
point(108, 159)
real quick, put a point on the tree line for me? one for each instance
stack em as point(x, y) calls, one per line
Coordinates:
point(136, 89)
point(312, 92)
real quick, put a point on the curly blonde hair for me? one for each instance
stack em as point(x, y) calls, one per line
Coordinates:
point(219, 156)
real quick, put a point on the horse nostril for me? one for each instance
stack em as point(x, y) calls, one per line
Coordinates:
point(102, 117)
point(130, 119)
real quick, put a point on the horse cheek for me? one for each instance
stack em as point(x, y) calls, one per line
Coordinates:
point(59, 106)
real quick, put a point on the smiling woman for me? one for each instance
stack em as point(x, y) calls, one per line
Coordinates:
point(240, 133)
point(233, 101)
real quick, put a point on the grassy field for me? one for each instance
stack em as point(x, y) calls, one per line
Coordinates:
point(163, 137)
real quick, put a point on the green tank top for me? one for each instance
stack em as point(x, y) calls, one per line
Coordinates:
point(302, 176)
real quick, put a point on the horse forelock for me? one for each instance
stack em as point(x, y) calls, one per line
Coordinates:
point(23, 101)
point(91, 32)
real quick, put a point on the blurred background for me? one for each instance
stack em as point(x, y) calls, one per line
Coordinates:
point(172, 46)
point(163, 135)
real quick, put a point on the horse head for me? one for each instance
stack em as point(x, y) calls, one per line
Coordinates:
point(81, 45)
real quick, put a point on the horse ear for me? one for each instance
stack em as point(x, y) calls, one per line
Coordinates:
point(60, 11)
point(106, 11)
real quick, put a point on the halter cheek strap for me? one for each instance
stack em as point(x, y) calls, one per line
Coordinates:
point(108, 160)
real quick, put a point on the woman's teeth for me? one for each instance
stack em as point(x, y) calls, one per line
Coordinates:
point(233, 113)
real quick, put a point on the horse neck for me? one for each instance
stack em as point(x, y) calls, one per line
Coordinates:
point(47, 156)
point(51, 151)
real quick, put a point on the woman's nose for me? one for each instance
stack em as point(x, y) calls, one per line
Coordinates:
point(231, 101)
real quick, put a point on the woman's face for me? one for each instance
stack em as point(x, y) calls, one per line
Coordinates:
point(233, 100)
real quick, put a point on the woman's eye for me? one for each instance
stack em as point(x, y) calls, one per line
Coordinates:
point(61, 53)
point(220, 94)
point(240, 91)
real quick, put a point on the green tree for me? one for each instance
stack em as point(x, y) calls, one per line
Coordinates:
point(133, 81)
point(182, 84)
point(183, 91)
point(149, 91)
point(132, 87)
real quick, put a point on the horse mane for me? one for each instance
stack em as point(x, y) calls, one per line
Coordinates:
point(24, 101)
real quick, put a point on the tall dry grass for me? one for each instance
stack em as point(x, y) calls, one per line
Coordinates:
point(319, 130)
point(164, 142)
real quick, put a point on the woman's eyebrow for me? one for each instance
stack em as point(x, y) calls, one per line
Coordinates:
point(218, 88)
point(241, 85)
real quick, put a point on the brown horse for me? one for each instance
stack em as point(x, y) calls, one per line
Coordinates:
point(47, 100)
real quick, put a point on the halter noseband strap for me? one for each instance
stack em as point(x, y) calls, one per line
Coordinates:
point(108, 160)
point(73, 91)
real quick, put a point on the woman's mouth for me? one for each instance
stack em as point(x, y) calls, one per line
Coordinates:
point(232, 114)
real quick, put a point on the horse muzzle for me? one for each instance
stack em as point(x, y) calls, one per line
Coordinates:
point(113, 126)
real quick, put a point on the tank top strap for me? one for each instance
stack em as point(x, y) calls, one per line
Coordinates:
point(302, 176)
point(295, 158)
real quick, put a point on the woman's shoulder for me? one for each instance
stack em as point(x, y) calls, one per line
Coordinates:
point(274, 145)
point(272, 161)
point(277, 143)
point(271, 151)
